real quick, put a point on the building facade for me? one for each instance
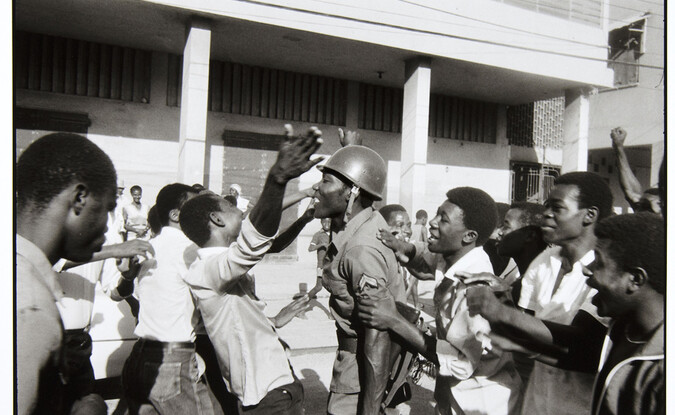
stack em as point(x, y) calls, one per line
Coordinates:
point(199, 91)
point(636, 100)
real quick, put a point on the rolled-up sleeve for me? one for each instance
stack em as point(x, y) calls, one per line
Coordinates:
point(250, 247)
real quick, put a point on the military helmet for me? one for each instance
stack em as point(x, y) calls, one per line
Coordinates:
point(362, 166)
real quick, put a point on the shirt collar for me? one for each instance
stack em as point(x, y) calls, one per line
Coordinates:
point(353, 225)
point(204, 253)
point(39, 260)
point(475, 255)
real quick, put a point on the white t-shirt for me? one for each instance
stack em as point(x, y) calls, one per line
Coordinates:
point(550, 389)
point(167, 312)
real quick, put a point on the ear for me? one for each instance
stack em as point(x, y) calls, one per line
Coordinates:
point(638, 278)
point(346, 191)
point(591, 215)
point(216, 220)
point(79, 197)
point(174, 215)
point(469, 236)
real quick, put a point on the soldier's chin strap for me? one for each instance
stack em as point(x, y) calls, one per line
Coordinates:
point(353, 194)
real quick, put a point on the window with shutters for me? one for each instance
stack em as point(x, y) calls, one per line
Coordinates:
point(235, 88)
point(626, 45)
point(77, 67)
point(462, 119)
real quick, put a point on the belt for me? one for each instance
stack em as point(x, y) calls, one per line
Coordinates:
point(348, 344)
point(165, 346)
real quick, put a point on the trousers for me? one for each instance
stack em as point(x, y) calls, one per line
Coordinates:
point(163, 378)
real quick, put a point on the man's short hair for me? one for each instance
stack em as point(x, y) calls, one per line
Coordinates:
point(637, 240)
point(134, 188)
point(153, 220)
point(593, 191)
point(421, 214)
point(531, 214)
point(231, 199)
point(387, 210)
point(480, 210)
point(198, 187)
point(172, 196)
point(54, 162)
point(194, 217)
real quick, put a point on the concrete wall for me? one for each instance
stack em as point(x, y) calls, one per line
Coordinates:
point(603, 162)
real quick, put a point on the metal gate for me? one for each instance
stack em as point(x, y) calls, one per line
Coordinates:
point(527, 184)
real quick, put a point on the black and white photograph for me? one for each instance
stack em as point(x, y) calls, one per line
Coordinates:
point(342, 207)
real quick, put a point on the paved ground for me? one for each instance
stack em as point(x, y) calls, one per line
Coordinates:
point(312, 338)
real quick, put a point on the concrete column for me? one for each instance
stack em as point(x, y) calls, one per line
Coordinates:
point(193, 106)
point(415, 133)
point(575, 131)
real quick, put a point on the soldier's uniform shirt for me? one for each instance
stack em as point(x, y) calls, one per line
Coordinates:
point(357, 261)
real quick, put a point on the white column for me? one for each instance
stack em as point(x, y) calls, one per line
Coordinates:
point(575, 131)
point(415, 133)
point(193, 106)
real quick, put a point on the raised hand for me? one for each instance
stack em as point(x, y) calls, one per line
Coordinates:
point(618, 136)
point(349, 138)
point(294, 154)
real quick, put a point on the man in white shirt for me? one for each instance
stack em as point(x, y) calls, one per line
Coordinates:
point(252, 358)
point(76, 307)
point(555, 289)
point(161, 375)
point(473, 377)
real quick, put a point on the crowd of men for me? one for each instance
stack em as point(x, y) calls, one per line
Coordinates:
point(542, 309)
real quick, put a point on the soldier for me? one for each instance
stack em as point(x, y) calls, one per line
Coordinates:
point(357, 264)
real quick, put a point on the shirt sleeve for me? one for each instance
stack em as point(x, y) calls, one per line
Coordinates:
point(366, 270)
point(37, 335)
point(242, 255)
point(460, 349)
point(110, 279)
point(528, 284)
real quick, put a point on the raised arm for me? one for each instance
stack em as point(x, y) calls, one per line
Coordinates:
point(292, 161)
point(287, 236)
point(630, 185)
